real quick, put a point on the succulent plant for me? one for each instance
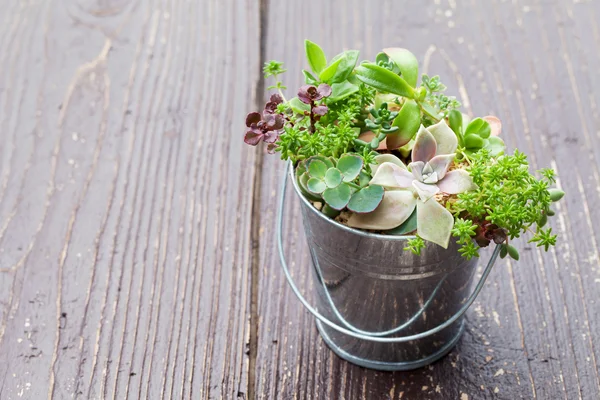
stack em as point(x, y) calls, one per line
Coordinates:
point(480, 133)
point(416, 186)
point(339, 183)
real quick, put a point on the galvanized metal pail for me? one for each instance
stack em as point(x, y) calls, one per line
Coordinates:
point(379, 306)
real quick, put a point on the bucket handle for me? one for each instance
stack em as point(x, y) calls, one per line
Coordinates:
point(363, 336)
point(370, 333)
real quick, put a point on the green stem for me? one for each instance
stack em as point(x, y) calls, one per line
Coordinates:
point(354, 185)
point(434, 117)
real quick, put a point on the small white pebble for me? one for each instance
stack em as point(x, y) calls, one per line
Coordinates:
point(19, 340)
point(448, 13)
point(499, 372)
point(496, 390)
point(424, 388)
point(464, 396)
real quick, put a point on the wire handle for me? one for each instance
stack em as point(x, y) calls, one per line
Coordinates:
point(373, 337)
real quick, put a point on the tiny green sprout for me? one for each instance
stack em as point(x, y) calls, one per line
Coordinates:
point(415, 245)
point(273, 68)
point(544, 237)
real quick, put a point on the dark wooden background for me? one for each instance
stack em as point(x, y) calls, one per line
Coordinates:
point(136, 229)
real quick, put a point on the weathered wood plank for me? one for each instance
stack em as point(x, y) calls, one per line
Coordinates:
point(125, 217)
point(531, 333)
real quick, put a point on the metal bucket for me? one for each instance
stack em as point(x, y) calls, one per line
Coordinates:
point(379, 306)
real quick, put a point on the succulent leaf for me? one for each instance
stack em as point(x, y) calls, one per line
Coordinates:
point(333, 177)
point(410, 225)
point(316, 185)
point(366, 199)
point(303, 184)
point(495, 124)
point(382, 158)
point(386, 175)
point(384, 80)
point(445, 137)
point(350, 166)
point(424, 190)
point(298, 106)
point(556, 194)
point(495, 145)
point(456, 121)
point(406, 62)
point(473, 141)
point(315, 56)
point(457, 181)
point(434, 222)
point(394, 209)
point(317, 169)
point(337, 197)
point(425, 146)
point(342, 90)
point(407, 121)
point(441, 163)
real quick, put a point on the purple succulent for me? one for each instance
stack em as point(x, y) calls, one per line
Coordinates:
point(266, 127)
point(415, 186)
point(308, 94)
point(274, 101)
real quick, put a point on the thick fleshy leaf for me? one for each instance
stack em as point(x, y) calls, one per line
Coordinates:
point(342, 90)
point(408, 226)
point(456, 121)
point(408, 121)
point(328, 162)
point(350, 166)
point(479, 127)
point(425, 146)
point(317, 169)
point(395, 208)
point(417, 169)
point(253, 118)
point(381, 158)
point(333, 177)
point(386, 175)
point(445, 138)
point(252, 138)
point(316, 185)
point(366, 199)
point(368, 136)
point(424, 190)
point(337, 197)
point(407, 62)
point(457, 181)
point(495, 124)
point(324, 90)
point(320, 110)
point(346, 66)
point(384, 80)
point(495, 145)
point(441, 163)
point(315, 56)
point(303, 183)
point(299, 106)
point(404, 178)
point(434, 222)
point(473, 141)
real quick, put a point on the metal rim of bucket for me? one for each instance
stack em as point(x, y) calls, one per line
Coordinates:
point(352, 333)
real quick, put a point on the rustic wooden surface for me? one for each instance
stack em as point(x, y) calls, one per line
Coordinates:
point(137, 257)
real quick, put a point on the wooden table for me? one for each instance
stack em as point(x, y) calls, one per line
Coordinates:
point(137, 230)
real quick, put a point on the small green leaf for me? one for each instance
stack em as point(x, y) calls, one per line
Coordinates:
point(473, 141)
point(495, 145)
point(333, 177)
point(363, 179)
point(346, 66)
point(408, 122)
point(543, 220)
point(315, 56)
point(309, 78)
point(298, 106)
point(455, 122)
point(338, 197)
point(366, 199)
point(317, 169)
point(327, 74)
point(384, 80)
point(503, 251)
point(551, 213)
point(479, 127)
point(513, 252)
point(303, 184)
point(408, 226)
point(328, 162)
point(556, 194)
point(341, 90)
point(407, 62)
point(330, 212)
point(350, 166)
point(316, 185)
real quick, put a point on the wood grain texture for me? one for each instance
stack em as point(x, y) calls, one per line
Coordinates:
point(137, 257)
point(124, 234)
point(533, 332)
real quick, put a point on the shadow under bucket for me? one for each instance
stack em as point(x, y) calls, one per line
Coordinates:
point(379, 306)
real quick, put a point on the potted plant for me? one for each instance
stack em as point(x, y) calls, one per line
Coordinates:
point(399, 191)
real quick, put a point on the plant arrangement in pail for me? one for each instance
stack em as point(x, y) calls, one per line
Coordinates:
point(377, 149)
